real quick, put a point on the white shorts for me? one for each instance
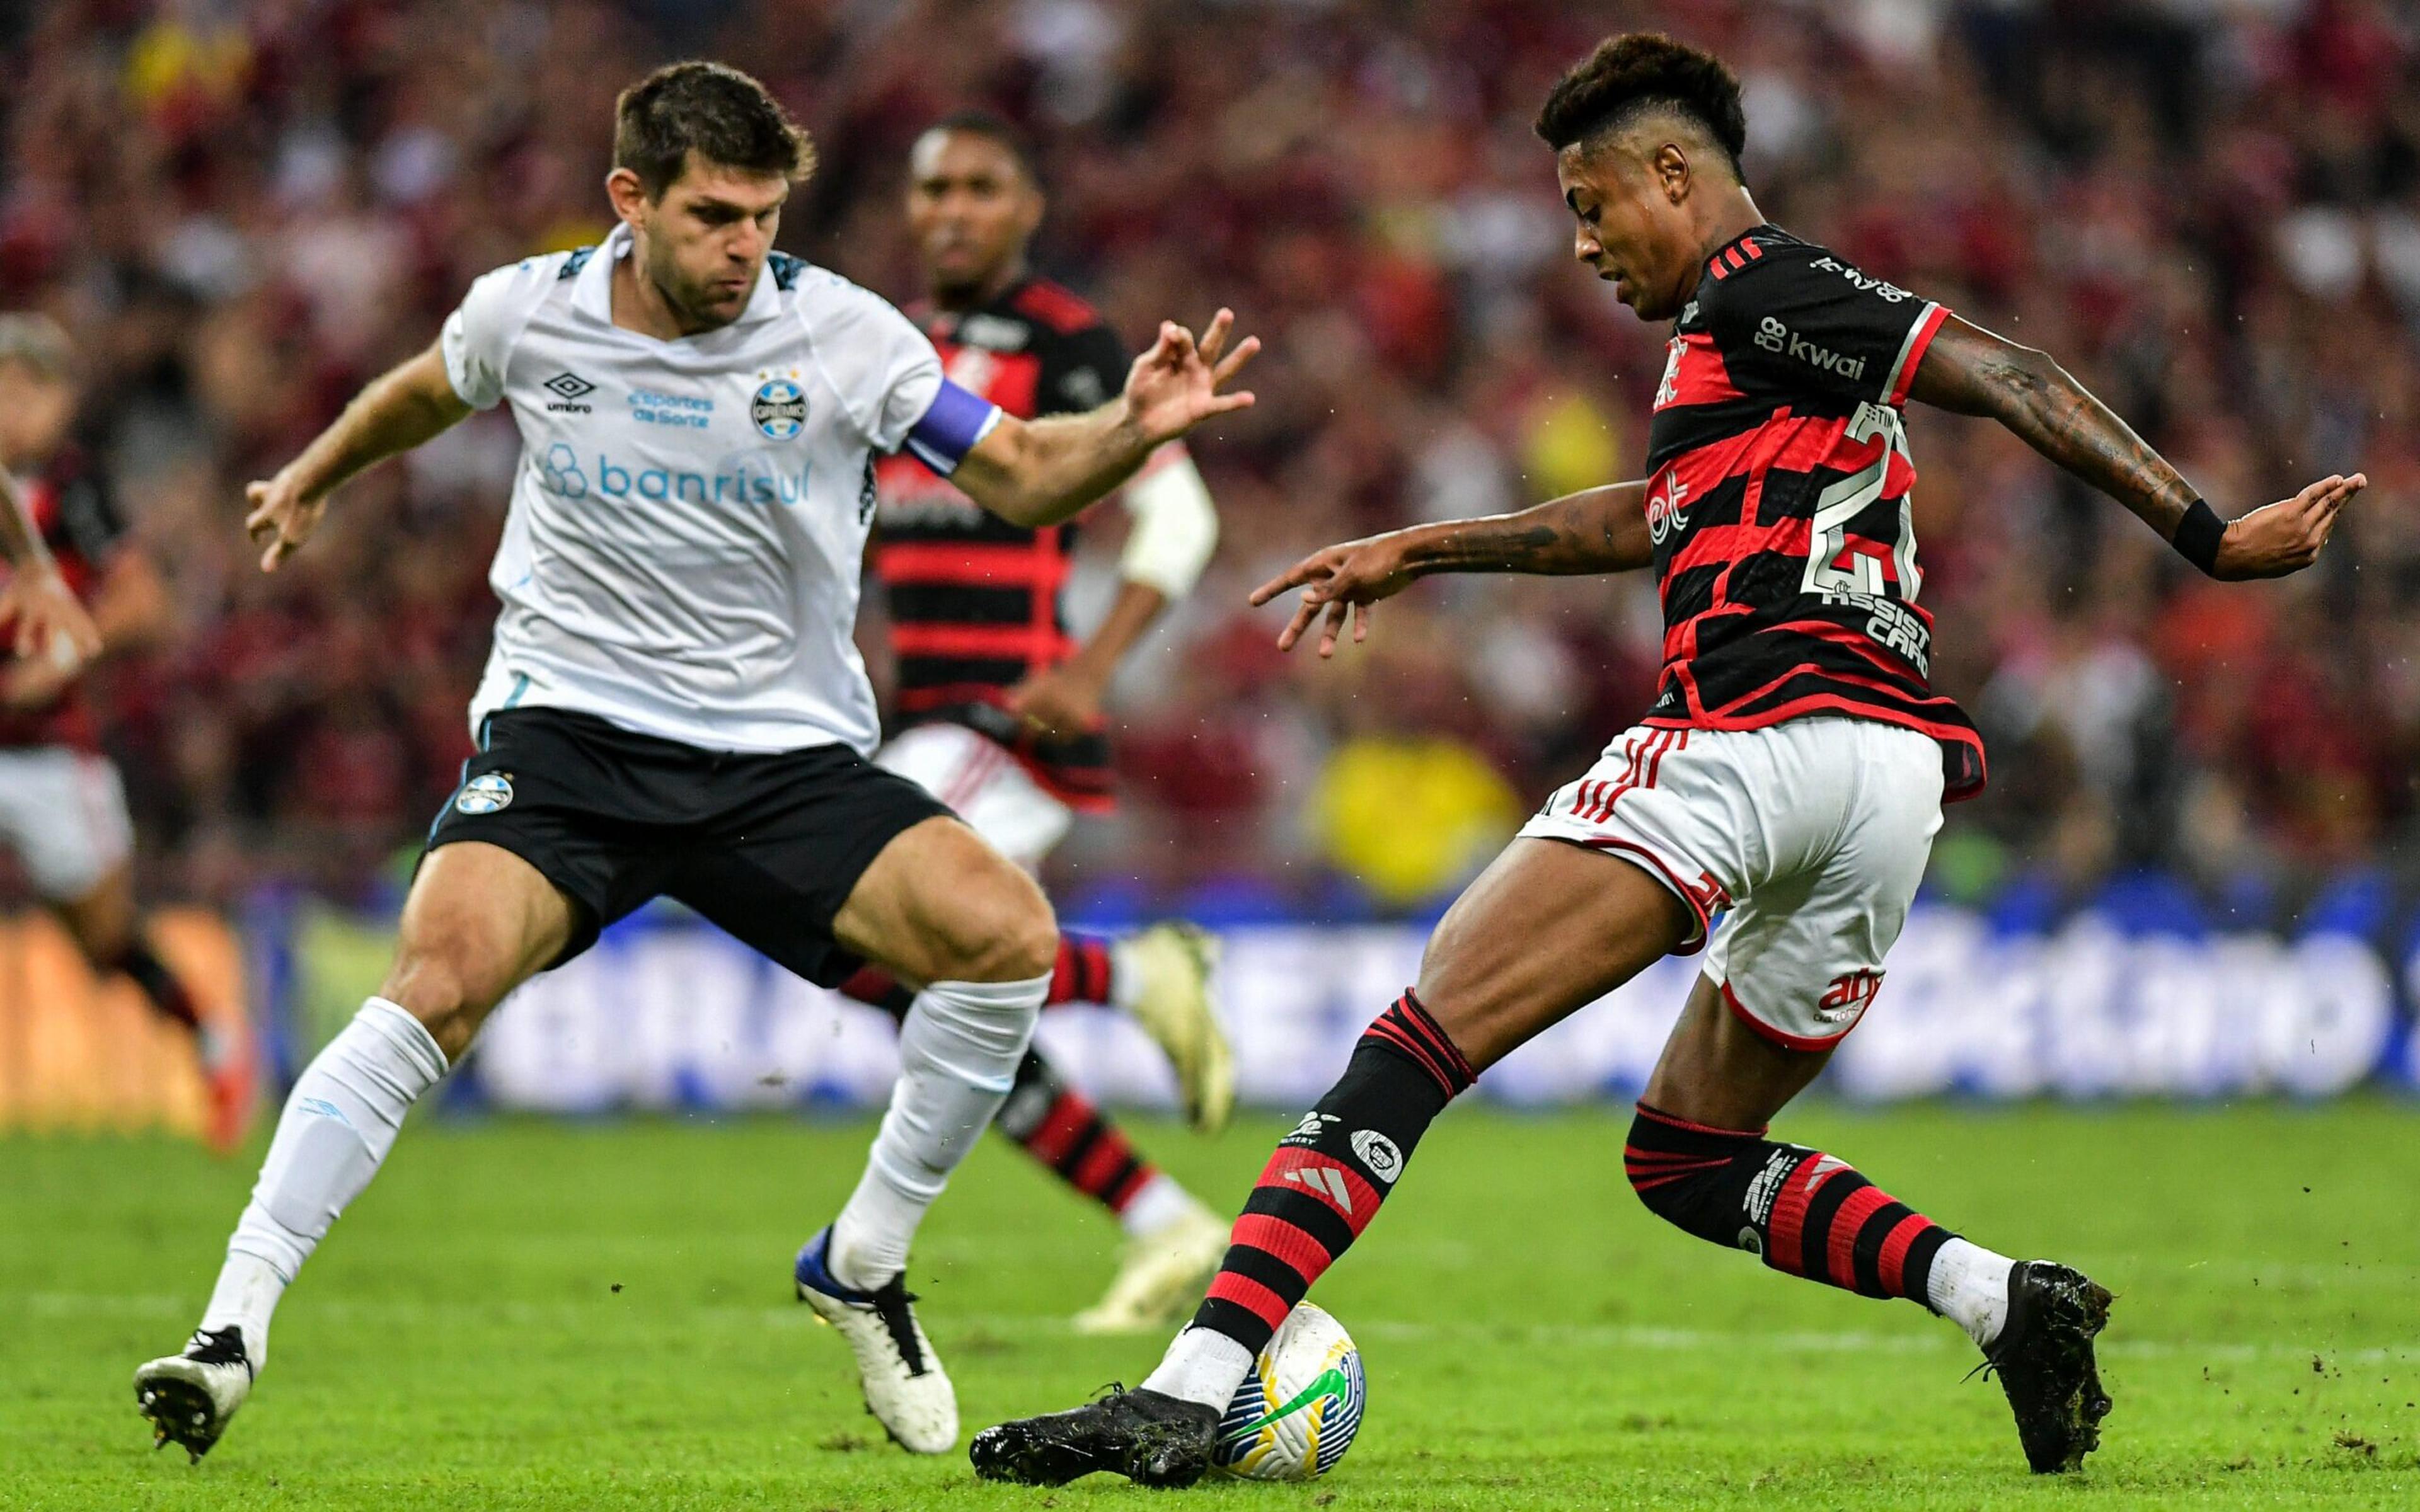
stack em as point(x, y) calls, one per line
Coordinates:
point(1812, 834)
point(989, 787)
point(63, 811)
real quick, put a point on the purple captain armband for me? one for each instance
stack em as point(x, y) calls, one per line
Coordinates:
point(951, 427)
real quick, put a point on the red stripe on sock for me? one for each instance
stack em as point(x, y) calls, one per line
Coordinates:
point(1097, 968)
point(1295, 1169)
point(1101, 1162)
point(1417, 1013)
point(1639, 1168)
point(1123, 1198)
point(1289, 1242)
point(1892, 1263)
point(1394, 1034)
point(1251, 1296)
point(1840, 1256)
point(1056, 1134)
point(1788, 1222)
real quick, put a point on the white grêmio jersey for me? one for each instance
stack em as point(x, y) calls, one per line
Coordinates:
point(683, 549)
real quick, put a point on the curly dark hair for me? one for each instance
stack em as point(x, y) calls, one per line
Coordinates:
point(1639, 72)
point(719, 113)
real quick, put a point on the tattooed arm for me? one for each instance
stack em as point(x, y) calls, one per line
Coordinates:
point(1969, 371)
point(1597, 530)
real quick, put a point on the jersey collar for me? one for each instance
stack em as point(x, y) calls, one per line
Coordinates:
point(592, 291)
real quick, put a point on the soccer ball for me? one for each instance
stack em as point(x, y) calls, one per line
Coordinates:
point(1296, 1412)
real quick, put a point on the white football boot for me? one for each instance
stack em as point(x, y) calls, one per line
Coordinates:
point(189, 1398)
point(1161, 1277)
point(1164, 985)
point(905, 1388)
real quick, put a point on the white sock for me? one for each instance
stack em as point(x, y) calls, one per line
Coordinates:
point(1969, 1285)
point(959, 1051)
point(338, 1124)
point(1160, 1204)
point(1202, 1365)
point(244, 1298)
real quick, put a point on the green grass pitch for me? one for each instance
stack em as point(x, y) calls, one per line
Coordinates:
point(522, 1316)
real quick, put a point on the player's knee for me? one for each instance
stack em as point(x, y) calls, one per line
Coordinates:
point(1026, 945)
point(1007, 934)
point(437, 982)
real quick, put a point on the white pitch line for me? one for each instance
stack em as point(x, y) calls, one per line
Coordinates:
point(1045, 1326)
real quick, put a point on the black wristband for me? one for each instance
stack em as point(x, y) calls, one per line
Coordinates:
point(2197, 537)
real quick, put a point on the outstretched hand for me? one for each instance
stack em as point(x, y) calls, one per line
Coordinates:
point(281, 519)
point(1175, 386)
point(2285, 537)
point(1343, 581)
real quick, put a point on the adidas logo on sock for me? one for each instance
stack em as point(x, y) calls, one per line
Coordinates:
point(1326, 1181)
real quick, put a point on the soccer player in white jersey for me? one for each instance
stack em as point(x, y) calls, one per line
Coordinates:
point(673, 704)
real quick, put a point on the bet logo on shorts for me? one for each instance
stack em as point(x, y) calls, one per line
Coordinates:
point(780, 409)
point(485, 794)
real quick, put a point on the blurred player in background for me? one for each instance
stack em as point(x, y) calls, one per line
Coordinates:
point(673, 704)
point(62, 807)
point(1789, 775)
point(999, 709)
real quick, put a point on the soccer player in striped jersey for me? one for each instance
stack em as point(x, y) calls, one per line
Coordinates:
point(1789, 775)
point(998, 707)
point(62, 802)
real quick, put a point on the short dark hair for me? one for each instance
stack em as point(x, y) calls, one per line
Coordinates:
point(1638, 71)
point(719, 113)
point(992, 126)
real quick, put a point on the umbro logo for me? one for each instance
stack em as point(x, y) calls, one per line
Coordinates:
point(1327, 1181)
point(568, 389)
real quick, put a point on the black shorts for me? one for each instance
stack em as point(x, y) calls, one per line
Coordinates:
point(767, 846)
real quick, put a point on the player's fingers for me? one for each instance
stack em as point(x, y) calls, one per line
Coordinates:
point(1361, 613)
point(1220, 403)
point(1243, 353)
point(1293, 576)
point(1213, 340)
point(1304, 613)
point(1335, 624)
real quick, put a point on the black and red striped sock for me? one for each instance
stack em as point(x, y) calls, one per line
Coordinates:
point(1082, 975)
point(1062, 1128)
point(1805, 1212)
point(1326, 1181)
point(168, 995)
point(1083, 972)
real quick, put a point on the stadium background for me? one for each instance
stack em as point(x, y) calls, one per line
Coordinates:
point(2209, 212)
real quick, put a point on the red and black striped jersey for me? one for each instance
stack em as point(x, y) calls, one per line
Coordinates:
point(76, 516)
point(1779, 501)
point(975, 601)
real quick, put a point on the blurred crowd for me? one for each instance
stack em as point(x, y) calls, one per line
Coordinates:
point(2208, 210)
